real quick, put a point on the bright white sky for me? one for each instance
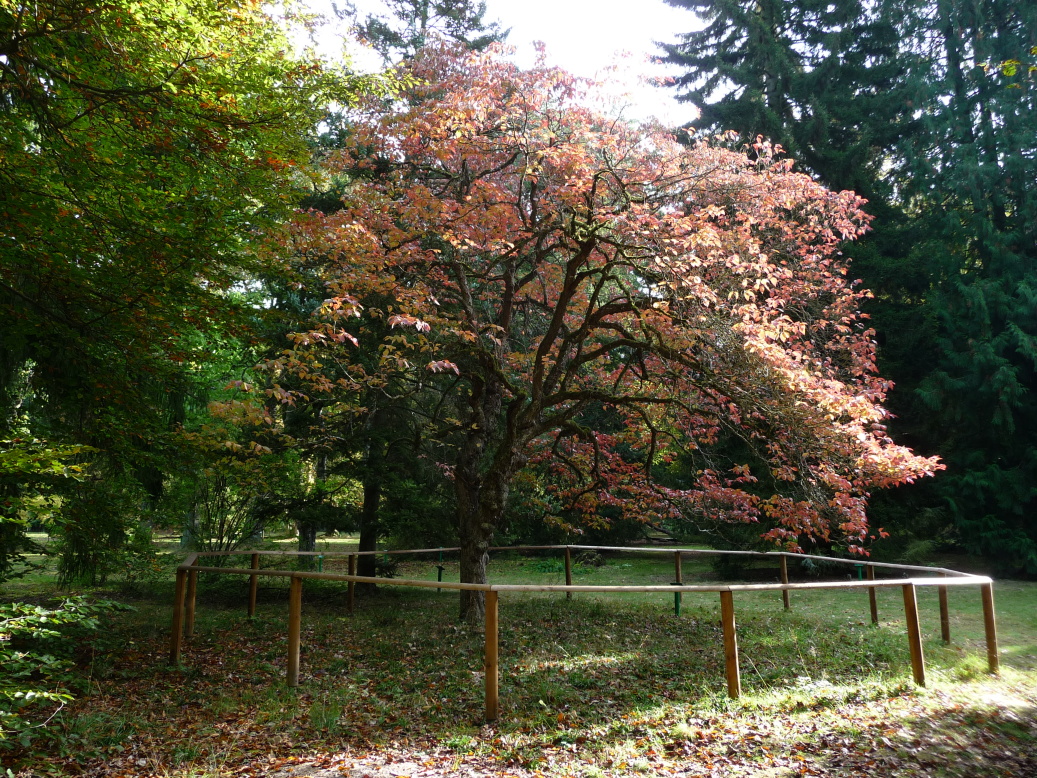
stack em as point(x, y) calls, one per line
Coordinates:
point(585, 36)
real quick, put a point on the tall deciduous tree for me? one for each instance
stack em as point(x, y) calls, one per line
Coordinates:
point(355, 415)
point(142, 146)
point(556, 270)
point(143, 143)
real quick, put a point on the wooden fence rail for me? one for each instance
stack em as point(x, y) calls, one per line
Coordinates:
point(187, 578)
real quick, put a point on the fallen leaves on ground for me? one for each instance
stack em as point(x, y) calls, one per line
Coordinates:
point(385, 697)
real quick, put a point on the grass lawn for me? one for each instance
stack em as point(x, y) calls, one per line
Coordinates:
point(592, 686)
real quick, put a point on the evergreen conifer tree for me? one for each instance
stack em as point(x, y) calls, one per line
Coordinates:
point(926, 108)
point(822, 79)
point(969, 178)
point(409, 24)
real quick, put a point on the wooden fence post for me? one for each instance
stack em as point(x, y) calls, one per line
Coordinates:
point(351, 588)
point(192, 595)
point(945, 613)
point(990, 624)
point(785, 599)
point(294, 629)
point(177, 637)
point(491, 657)
point(568, 571)
point(914, 634)
point(253, 587)
point(872, 597)
point(727, 615)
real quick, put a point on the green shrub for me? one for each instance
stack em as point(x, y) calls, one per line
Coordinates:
point(37, 674)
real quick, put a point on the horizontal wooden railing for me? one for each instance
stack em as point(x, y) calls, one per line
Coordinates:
point(187, 578)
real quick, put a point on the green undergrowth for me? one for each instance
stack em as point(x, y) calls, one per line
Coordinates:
point(593, 685)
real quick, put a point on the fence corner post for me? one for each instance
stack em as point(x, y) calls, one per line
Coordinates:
point(253, 586)
point(945, 613)
point(177, 636)
point(192, 598)
point(990, 626)
point(785, 599)
point(568, 571)
point(872, 597)
point(914, 634)
point(294, 629)
point(678, 580)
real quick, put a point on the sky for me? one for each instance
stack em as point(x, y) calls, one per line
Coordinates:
point(586, 36)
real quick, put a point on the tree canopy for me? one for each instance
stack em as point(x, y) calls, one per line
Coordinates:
point(555, 315)
point(589, 293)
point(145, 149)
point(142, 146)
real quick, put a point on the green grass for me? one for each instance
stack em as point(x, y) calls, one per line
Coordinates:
point(596, 685)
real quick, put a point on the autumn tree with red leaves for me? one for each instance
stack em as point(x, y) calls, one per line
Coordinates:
point(545, 266)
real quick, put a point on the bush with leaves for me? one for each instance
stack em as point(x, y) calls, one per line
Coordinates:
point(37, 675)
point(28, 472)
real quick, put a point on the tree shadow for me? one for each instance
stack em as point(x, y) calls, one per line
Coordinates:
point(586, 678)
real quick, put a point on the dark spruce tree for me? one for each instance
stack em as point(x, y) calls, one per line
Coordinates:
point(820, 78)
point(927, 109)
point(969, 178)
point(831, 84)
point(742, 68)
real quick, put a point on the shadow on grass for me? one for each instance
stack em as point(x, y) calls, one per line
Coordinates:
point(606, 683)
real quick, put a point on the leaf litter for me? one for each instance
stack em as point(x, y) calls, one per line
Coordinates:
point(397, 691)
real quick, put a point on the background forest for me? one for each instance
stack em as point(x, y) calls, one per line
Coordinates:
point(927, 110)
point(184, 350)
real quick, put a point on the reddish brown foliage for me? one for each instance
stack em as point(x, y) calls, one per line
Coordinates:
point(588, 297)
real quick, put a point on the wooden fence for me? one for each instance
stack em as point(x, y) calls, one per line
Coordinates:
point(187, 580)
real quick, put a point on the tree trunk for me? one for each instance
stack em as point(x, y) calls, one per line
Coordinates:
point(489, 456)
point(373, 479)
point(307, 536)
point(480, 505)
point(475, 554)
point(369, 527)
point(308, 528)
point(189, 532)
